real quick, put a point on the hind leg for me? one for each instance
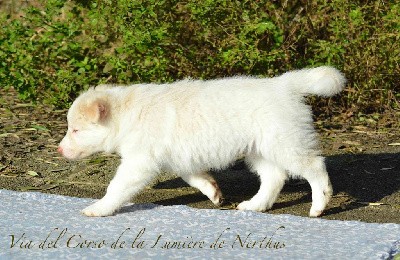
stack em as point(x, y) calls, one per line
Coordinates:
point(206, 184)
point(272, 179)
point(313, 169)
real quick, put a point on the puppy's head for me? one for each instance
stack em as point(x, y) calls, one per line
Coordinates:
point(88, 125)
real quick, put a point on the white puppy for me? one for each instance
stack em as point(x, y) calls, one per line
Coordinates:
point(191, 126)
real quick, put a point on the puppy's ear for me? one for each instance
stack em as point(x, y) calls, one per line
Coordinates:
point(97, 111)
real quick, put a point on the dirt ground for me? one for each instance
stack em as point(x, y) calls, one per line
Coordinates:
point(363, 160)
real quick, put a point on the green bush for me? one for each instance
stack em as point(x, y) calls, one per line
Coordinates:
point(61, 47)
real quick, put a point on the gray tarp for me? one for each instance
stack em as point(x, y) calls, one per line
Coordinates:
point(40, 226)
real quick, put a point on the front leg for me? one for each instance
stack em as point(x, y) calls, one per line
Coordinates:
point(131, 177)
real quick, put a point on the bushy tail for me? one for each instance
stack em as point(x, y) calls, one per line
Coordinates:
point(322, 81)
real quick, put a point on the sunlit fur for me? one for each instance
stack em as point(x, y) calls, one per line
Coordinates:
point(191, 126)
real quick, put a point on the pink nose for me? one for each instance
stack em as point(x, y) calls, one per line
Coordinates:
point(60, 150)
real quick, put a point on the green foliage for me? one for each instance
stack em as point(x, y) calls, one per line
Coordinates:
point(61, 47)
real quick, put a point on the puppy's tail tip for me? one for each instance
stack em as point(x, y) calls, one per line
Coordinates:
point(322, 81)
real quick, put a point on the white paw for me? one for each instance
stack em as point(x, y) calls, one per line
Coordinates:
point(98, 209)
point(315, 213)
point(218, 200)
point(319, 204)
point(249, 205)
point(317, 208)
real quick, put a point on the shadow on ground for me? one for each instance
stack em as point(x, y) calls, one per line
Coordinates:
point(366, 187)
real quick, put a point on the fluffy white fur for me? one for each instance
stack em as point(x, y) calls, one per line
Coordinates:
point(191, 126)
